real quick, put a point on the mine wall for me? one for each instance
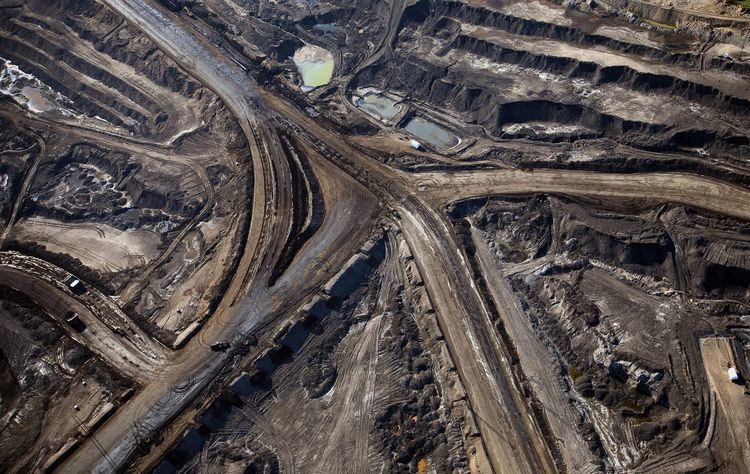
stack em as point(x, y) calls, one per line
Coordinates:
point(663, 14)
point(486, 106)
point(221, 287)
point(35, 45)
point(584, 427)
point(178, 339)
point(278, 36)
point(621, 75)
point(28, 49)
point(433, 84)
point(640, 241)
point(153, 64)
point(613, 162)
point(19, 150)
point(266, 33)
point(86, 99)
point(146, 190)
point(527, 27)
point(108, 283)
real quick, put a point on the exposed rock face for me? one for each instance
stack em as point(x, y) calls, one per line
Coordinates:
point(19, 149)
point(454, 40)
point(145, 156)
point(32, 382)
point(96, 69)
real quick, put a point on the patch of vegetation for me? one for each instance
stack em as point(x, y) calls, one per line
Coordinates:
point(657, 24)
point(504, 244)
point(745, 4)
point(573, 372)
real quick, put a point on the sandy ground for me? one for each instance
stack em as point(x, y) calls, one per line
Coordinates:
point(512, 439)
point(723, 80)
point(713, 7)
point(733, 404)
point(98, 246)
point(533, 9)
point(312, 53)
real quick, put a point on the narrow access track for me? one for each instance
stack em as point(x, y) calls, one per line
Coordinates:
point(27, 180)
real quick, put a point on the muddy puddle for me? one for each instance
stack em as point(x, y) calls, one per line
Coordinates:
point(37, 102)
point(193, 244)
point(29, 91)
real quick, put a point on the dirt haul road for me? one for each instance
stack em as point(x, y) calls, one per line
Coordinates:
point(126, 348)
point(536, 361)
point(516, 446)
point(678, 188)
point(733, 404)
point(511, 437)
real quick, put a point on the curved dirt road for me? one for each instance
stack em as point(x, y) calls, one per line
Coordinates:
point(131, 351)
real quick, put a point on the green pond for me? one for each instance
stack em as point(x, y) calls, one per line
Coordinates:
point(315, 64)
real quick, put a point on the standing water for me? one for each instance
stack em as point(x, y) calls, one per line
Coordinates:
point(431, 133)
point(328, 28)
point(315, 64)
point(380, 105)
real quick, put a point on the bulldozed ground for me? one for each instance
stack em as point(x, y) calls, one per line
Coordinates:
point(502, 236)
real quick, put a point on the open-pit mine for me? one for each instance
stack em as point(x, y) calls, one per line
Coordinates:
point(374, 236)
